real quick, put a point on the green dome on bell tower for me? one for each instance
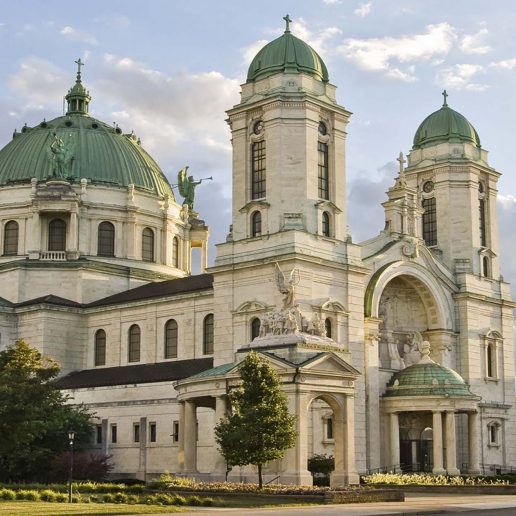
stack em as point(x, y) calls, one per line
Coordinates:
point(287, 54)
point(78, 98)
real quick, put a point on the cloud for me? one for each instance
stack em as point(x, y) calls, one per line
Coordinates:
point(363, 9)
point(378, 54)
point(506, 209)
point(321, 39)
point(78, 35)
point(331, 2)
point(251, 50)
point(475, 43)
point(506, 64)
point(460, 76)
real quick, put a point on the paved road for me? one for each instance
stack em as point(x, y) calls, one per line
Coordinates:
point(496, 505)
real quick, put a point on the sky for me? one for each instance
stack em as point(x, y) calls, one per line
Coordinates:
point(170, 69)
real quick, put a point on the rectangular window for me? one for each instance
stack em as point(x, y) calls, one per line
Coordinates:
point(430, 221)
point(482, 222)
point(175, 431)
point(258, 170)
point(113, 434)
point(152, 432)
point(136, 432)
point(98, 434)
point(329, 428)
point(323, 171)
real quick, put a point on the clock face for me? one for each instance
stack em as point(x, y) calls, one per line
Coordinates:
point(428, 186)
point(322, 128)
point(258, 127)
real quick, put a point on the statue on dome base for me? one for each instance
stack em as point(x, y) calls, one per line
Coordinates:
point(187, 185)
point(61, 156)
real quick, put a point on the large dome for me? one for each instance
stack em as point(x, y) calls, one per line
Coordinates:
point(287, 54)
point(98, 152)
point(445, 125)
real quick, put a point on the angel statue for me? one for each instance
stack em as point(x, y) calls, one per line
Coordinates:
point(187, 185)
point(61, 155)
point(287, 289)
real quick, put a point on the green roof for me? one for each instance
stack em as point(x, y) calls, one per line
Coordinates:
point(287, 54)
point(214, 371)
point(427, 378)
point(101, 154)
point(445, 125)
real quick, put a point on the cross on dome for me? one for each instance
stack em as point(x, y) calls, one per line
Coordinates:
point(288, 21)
point(445, 95)
point(79, 64)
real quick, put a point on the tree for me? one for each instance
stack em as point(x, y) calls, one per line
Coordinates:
point(34, 415)
point(259, 428)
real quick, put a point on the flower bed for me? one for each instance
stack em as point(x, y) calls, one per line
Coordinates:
point(425, 479)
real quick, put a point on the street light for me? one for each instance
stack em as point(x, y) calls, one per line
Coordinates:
point(71, 438)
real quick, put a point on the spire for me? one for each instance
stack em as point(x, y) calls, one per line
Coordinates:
point(78, 98)
point(288, 21)
point(445, 96)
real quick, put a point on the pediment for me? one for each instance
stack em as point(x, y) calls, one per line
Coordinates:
point(330, 363)
point(251, 306)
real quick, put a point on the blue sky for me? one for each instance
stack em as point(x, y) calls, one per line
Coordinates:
point(169, 69)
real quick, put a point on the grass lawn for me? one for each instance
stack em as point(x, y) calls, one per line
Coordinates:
point(23, 508)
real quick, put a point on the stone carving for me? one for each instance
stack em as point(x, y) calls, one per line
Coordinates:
point(413, 349)
point(287, 288)
point(61, 156)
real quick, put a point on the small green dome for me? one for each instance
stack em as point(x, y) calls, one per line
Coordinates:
point(445, 125)
point(100, 153)
point(287, 54)
point(427, 378)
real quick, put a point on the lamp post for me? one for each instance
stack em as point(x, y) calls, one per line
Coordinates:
point(71, 438)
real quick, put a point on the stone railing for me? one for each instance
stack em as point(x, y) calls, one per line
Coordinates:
point(55, 256)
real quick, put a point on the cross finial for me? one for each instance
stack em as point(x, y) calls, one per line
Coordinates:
point(79, 64)
point(288, 21)
point(402, 161)
point(445, 95)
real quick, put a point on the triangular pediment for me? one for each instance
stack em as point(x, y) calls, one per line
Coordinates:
point(330, 363)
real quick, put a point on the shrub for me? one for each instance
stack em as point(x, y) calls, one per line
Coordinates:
point(208, 502)
point(321, 463)
point(61, 497)
point(86, 466)
point(423, 479)
point(24, 494)
point(7, 494)
point(194, 500)
point(108, 498)
point(132, 499)
point(120, 497)
point(178, 500)
point(47, 495)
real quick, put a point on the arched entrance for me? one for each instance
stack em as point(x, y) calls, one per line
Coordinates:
point(416, 437)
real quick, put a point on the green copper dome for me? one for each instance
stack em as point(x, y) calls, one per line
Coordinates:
point(287, 54)
point(77, 146)
point(427, 378)
point(445, 125)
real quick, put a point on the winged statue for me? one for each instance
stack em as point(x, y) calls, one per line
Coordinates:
point(186, 185)
point(287, 287)
point(60, 153)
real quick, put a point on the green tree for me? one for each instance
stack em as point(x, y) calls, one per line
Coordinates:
point(259, 428)
point(34, 415)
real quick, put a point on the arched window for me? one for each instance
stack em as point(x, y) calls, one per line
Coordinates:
point(106, 239)
point(148, 245)
point(133, 354)
point(482, 222)
point(485, 266)
point(57, 235)
point(258, 187)
point(171, 339)
point(430, 221)
point(255, 328)
point(491, 360)
point(326, 224)
point(323, 171)
point(327, 327)
point(11, 238)
point(175, 252)
point(493, 430)
point(100, 348)
point(256, 224)
point(207, 335)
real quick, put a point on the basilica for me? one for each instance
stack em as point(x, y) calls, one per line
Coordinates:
point(395, 354)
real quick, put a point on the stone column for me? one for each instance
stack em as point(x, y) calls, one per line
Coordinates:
point(219, 463)
point(181, 438)
point(296, 459)
point(394, 433)
point(204, 257)
point(34, 245)
point(190, 438)
point(473, 443)
point(349, 441)
point(105, 436)
point(143, 449)
point(451, 446)
point(437, 431)
point(71, 246)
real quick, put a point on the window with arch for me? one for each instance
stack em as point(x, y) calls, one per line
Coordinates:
point(133, 350)
point(171, 339)
point(207, 335)
point(323, 171)
point(100, 348)
point(57, 235)
point(11, 238)
point(175, 252)
point(106, 239)
point(327, 327)
point(148, 245)
point(493, 433)
point(256, 223)
point(255, 328)
point(485, 267)
point(430, 221)
point(492, 343)
point(258, 170)
point(326, 228)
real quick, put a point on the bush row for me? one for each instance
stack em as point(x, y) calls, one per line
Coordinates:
point(81, 487)
point(422, 479)
point(48, 495)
